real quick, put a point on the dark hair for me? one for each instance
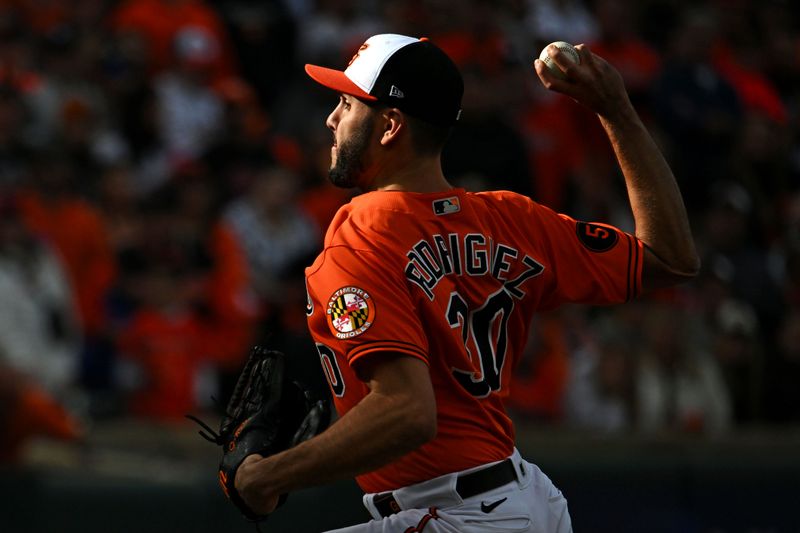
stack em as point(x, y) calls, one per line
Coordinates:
point(428, 138)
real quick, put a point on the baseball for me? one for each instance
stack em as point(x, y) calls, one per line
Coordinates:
point(567, 49)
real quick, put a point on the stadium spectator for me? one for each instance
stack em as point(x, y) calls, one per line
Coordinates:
point(617, 42)
point(250, 142)
point(189, 112)
point(264, 37)
point(601, 392)
point(696, 108)
point(52, 207)
point(539, 382)
point(469, 34)
point(157, 23)
point(39, 335)
point(730, 244)
point(561, 20)
point(108, 109)
point(334, 28)
point(166, 339)
point(679, 388)
point(735, 348)
point(273, 231)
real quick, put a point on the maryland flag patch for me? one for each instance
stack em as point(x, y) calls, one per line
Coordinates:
point(350, 312)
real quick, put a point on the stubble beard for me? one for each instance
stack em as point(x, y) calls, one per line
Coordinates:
point(349, 166)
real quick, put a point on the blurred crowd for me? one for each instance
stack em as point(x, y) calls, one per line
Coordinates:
point(163, 183)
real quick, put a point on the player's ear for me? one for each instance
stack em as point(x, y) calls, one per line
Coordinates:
point(393, 123)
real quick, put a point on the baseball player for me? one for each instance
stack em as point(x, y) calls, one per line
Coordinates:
point(421, 300)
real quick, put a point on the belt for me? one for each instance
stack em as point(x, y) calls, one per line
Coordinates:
point(467, 485)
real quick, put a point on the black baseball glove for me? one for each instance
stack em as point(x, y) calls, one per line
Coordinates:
point(267, 413)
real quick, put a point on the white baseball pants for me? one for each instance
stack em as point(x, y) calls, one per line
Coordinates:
point(531, 504)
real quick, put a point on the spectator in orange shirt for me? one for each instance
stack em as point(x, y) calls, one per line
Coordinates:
point(637, 61)
point(539, 381)
point(75, 228)
point(158, 22)
point(197, 309)
point(184, 219)
point(165, 339)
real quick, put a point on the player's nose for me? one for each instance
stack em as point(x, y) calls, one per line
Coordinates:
point(333, 119)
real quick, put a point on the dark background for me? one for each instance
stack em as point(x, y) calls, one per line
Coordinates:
point(163, 184)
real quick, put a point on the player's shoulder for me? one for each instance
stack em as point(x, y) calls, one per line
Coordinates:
point(368, 220)
point(501, 196)
point(504, 201)
point(388, 220)
point(364, 230)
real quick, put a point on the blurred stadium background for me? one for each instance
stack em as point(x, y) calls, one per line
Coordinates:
point(163, 182)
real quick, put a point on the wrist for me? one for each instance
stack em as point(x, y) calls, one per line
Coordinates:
point(619, 115)
point(618, 112)
point(266, 476)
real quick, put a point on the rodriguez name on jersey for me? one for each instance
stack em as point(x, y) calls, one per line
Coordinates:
point(472, 254)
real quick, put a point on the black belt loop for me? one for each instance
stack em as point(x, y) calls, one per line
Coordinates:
point(386, 504)
point(467, 485)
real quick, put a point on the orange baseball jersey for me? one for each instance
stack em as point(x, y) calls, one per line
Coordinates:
point(453, 278)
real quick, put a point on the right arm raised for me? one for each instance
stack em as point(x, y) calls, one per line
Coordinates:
point(661, 220)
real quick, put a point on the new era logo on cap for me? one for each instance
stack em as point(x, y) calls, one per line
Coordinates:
point(432, 86)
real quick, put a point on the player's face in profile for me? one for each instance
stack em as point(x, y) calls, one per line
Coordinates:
point(352, 130)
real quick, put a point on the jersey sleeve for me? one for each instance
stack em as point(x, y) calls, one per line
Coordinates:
point(589, 262)
point(362, 307)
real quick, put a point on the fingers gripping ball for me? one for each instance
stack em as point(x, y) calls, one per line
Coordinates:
point(567, 50)
point(268, 412)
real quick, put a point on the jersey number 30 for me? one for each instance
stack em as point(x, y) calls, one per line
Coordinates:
point(488, 327)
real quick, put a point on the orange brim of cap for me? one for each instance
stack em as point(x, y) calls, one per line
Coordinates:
point(336, 80)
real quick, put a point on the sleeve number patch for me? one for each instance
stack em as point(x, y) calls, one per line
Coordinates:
point(327, 358)
point(596, 237)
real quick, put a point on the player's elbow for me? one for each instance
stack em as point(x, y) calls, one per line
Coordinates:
point(689, 271)
point(659, 273)
point(682, 271)
point(424, 429)
point(685, 269)
point(421, 425)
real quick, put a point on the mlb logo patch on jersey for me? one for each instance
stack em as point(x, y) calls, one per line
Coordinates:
point(350, 312)
point(446, 206)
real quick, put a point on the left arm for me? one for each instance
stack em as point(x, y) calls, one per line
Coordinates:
point(397, 416)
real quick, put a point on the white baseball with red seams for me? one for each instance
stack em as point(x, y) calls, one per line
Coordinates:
point(567, 50)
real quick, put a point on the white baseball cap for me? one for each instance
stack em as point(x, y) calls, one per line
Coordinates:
point(411, 74)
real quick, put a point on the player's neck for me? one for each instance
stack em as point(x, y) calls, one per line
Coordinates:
point(420, 174)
